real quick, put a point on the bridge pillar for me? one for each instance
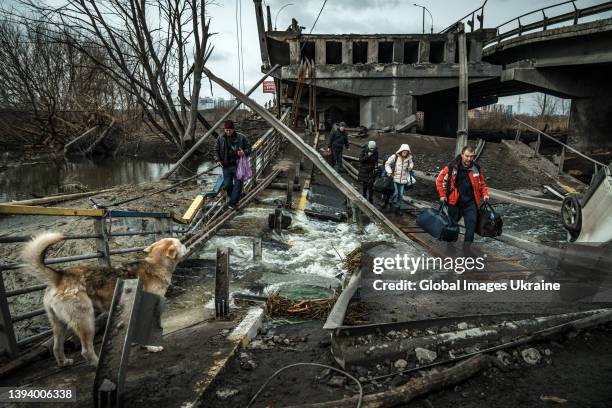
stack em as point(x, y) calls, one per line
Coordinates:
point(376, 112)
point(590, 123)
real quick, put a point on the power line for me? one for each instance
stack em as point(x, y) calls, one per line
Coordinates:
point(318, 15)
point(314, 24)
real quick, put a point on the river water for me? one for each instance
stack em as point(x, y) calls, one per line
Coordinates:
point(38, 179)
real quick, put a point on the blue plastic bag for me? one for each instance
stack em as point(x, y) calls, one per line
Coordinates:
point(243, 173)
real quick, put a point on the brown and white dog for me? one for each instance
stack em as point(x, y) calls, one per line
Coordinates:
point(73, 293)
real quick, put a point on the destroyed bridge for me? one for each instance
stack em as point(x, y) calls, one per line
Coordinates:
point(380, 80)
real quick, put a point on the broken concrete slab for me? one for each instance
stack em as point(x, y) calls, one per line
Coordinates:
point(406, 124)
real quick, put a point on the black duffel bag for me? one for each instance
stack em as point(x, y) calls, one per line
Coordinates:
point(438, 224)
point(384, 184)
point(489, 223)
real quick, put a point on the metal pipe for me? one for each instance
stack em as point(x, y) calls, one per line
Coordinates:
point(35, 337)
point(25, 290)
point(127, 250)
point(539, 132)
point(17, 239)
point(53, 261)
point(27, 315)
point(129, 200)
point(344, 186)
point(216, 125)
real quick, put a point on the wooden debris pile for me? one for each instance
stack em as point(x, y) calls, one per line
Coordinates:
point(352, 262)
point(280, 306)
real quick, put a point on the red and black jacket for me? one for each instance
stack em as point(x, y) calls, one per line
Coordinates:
point(445, 182)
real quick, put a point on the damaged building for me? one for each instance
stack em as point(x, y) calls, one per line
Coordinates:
point(381, 80)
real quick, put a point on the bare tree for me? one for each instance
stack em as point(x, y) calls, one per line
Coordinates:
point(546, 105)
point(152, 50)
point(43, 80)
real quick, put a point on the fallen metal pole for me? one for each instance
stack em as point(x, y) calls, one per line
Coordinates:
point(344, 186)
point(216, 125)
point(197, 240)
point(129, 200)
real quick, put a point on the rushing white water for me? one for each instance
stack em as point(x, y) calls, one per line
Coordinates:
point(303, 263)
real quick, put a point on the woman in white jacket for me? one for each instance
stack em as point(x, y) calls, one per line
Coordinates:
point(399, 166)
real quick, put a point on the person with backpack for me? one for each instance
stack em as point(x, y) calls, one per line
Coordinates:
point(461, 185)
point(229, 147)
point(368, 160)
point(338, 140)
point(399, 167)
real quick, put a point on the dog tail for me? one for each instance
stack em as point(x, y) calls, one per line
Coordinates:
point(34, 254)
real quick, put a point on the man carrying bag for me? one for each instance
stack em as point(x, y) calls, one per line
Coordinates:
point(461, 185)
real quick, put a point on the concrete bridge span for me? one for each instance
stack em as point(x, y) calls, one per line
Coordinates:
point(379, 80)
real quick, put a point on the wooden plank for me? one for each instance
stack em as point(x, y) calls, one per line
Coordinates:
point(58, 198)
point(193, 208)
point(58, 211)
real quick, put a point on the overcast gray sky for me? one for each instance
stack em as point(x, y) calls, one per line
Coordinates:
point(349, 16)
point(346, 16)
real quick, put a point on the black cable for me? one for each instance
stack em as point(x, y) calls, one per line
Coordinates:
point(308, 364)
point(314, 24)
point(318, 15)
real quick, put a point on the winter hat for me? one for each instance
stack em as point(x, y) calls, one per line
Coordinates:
point(402, 148)
point(371, 145)
point(342, 124)
point(228, 124)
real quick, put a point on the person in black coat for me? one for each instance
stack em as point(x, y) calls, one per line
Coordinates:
point(338, 140)
point(229, 147)
point(368, 160)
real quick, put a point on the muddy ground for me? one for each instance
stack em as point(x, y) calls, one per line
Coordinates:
point(502, 169)
point(577, 368)
point(177, 200)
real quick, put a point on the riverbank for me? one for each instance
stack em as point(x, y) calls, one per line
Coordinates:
point(140, 157)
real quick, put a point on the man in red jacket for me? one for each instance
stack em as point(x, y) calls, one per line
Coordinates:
point(461, 184)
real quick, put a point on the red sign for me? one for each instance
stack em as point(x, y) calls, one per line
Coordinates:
point(268, 87)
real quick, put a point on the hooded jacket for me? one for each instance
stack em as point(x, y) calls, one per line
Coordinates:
point(446, 181)
point(401, 171)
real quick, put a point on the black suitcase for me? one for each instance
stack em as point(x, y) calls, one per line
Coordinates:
point(489, 223)
point(384, 184)
point(438, 224)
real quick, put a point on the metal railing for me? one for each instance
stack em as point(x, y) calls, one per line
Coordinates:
point(469, 19)
point(546, 21)
point(102, 221)
point(564, 147)
point(264, 151)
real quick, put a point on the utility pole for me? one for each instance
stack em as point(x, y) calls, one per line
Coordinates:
point(430, 16)
point(462, 114)
point(423, 29)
